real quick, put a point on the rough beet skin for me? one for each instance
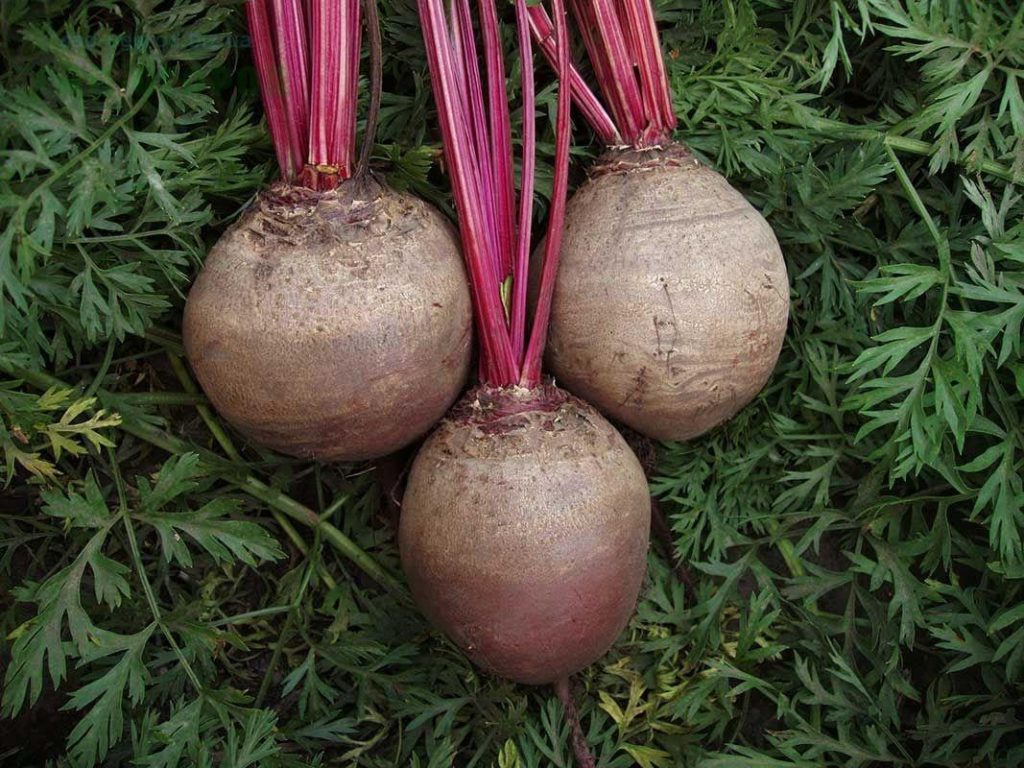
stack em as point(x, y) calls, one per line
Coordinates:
point(672, 295)
point(332, 325)
point(524, 532)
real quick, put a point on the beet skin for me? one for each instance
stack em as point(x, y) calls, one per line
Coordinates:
point(524, 532)
point(672, 297)
point(332, 325)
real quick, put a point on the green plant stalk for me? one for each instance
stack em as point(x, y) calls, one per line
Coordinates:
point(334, 506)
point(257, 614)
point(162, 398)
point(840, 130)
point(786, 549)
point(226, 444)
point(147, 588)
point(250, 485)
point(167, 339)
point(218, 432)
point(348, 548)
point(102, 372)
point(275, 659)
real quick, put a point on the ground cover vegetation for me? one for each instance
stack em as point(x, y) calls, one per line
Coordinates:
point(842, 584)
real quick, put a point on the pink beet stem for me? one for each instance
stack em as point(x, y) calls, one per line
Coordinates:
point(462, 22)
point(658, 84)
point(585, 99)
point(334, 83)
point(290, 25)
point(520, 274)
point(477, 135)
point(556, 217)
point(307, 58)
point(621, 38)
point(621, 89)
point(352, 24)
point(289, 157)
point(501, 137)
point(458, 133)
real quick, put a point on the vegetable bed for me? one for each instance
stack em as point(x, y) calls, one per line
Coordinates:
point(836, 575)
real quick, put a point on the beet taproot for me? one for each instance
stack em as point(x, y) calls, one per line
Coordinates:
point(332, 325)
point(672, 298)
point(524, 531)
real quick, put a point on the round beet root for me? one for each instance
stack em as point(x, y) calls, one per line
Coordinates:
point(332, 325)
point(524, 532)
point(672, 296)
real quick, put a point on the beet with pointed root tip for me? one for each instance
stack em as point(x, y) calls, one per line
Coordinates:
point(672, 296)
point(524, 531)
point(332, 325)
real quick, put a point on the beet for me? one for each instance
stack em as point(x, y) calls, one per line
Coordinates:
point(525, 520)
point(672, 296)
point(524, 531)
point(332, 325)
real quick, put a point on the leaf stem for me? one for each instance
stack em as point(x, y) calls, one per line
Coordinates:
point(293, 69)
point(287, 144)
point(521, 267)
point(222, 438)
point(226, 444)
point(102, 372)
point(273, 610)
point(942, 247)
point(334, 84)
point(621, 38)
point(376, 85)
point(140, 569)
point(583, 96)
point(467, 152)
point(159, 398)
point(838, 130)
point(275, 659)
point(532, 363)
point(348, 548)
point(248, 484)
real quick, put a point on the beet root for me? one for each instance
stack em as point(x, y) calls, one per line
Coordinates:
point(316, 323)
point(524, 532)
point(672, 296)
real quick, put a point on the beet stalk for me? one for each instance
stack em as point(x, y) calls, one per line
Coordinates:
point(315, 322)
point(525, 520)
point(672, 300)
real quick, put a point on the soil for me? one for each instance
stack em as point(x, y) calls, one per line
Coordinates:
point(37, 734)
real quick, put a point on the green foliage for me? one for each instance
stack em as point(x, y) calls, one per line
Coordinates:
point(28, 428)
point(852, 590)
